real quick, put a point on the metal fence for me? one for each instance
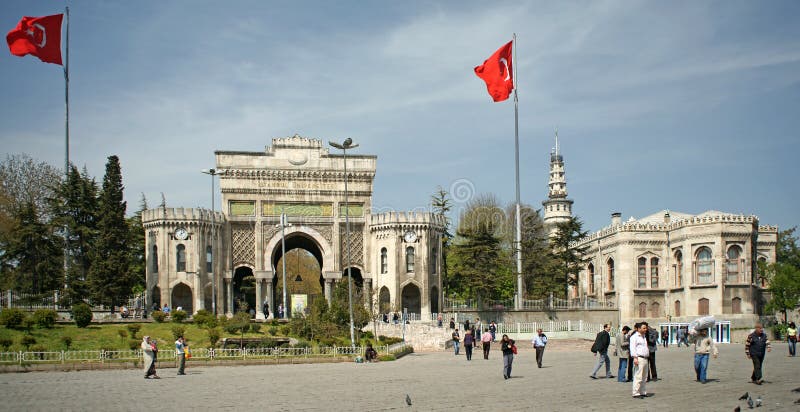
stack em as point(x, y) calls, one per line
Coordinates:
point(551, 303)
point(53, 300)
point(106, 356)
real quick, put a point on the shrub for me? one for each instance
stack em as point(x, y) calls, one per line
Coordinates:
point(205, 319)
point(273, 330)
point(12, 317)
point(159, 316)
point(179, 316)
point(239, 323)
point(82, 314)
point(134, 344)
point(302, 344)
point(66, 341)
point(177, 331)
point(27, 324)
point(123, 334)
point(45, 318)
point(27, 341)
point(133, 328)
point(213, 336)
point(6, 343)
point(255, 327)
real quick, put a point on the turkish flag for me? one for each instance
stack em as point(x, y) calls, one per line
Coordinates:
point(498, 73)
point(39, 36)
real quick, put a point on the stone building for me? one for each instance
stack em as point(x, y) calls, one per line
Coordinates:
point(193, 254)
point(557, 208)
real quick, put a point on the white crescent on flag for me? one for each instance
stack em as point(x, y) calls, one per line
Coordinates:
point(508, 72)
point(44, 35)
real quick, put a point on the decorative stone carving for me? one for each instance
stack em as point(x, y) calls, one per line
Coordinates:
point(244, 240)
point(356, 245)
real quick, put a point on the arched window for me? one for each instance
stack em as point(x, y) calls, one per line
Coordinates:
point(209, 260)
point(434, 259)
point(642, 310)
point(702, 306)
point(678, 268)
point(677, 308)
point(154, 257)
point(642, 273)
point(590, 278)
point(610, 265)
point(736, 306)
point(763, 280)
point(180, 258)
point(384, 261)
point(654, 272)
point(655, 310)
point(409, 259)
point(733, 264)
point(705, 266)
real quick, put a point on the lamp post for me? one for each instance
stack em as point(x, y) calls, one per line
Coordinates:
point(284, 222)
point(212, 173)
point(347, 144)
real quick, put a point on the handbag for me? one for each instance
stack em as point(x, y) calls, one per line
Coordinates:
point(188, 353)
point(514, 349)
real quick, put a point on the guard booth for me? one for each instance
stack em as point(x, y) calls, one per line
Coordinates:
point(721, 332)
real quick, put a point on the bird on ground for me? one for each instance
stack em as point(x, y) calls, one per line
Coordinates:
point(737, 409)
point(796, 389)
point(750, 402)
point(758, 402)
point(743, 397)
point(408, 400)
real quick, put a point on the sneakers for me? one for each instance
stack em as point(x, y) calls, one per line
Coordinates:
point(593, 377)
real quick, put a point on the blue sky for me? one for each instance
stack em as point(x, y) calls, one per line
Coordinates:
point(687, 105)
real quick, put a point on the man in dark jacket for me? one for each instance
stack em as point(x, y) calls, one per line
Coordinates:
point(755, 348)
point(601, 343)
point(652, 345)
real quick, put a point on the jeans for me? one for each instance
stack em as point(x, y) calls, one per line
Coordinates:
point(455, 346)
point(792, 347)
point(701, 366)
point(757, 361)
point(508, 359)
point(602, 359)
point(181, 363)
point(623, 368)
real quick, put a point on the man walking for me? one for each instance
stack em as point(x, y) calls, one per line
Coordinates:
point(539, 342)
point(703, 346)
point(640, 353)
point(755, 348)
point(493, 330)
point(486, 341)
point(180, 354)
point(623, 351)
point(601, 343)
point(456, 339)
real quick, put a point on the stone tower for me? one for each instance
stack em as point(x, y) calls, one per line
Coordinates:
point(557, 208)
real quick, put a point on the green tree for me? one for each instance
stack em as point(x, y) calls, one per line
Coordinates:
point(567, 258)
point(109, 278)
point(25, 181)
point(537, 260)
point(787, 250)
point(441, 204)
point(784, 287)
point(136, 245)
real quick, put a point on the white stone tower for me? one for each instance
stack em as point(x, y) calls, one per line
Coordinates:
point(557, 208)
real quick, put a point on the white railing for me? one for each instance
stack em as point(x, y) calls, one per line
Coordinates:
point(52, 300)
point(551, 303)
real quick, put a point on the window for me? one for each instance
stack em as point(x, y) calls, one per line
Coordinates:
point(655, 310)
point(763, 261)
point(678, 268)
point(180, 258)
point(209, 260)
point(384, 261)
point(610, 274)
point(590, 278)
point(154, 257)
point(409, 259)
point(702, 306)
point(654, 273)
point(705, 266)
point(642, 310)
point(736, 306)
point(734, 253)
point(642, 272)
point(677, 308)
point(434, 259)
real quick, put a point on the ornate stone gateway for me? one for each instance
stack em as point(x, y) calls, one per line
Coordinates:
point(396, 253)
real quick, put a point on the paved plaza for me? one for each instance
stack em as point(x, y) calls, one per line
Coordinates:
point(434, 381)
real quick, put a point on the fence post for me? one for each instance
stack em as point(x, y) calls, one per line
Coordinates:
point(551, 326)
point(62, 357)
point(580, 325)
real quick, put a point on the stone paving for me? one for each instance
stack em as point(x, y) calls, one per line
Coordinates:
point(434, 381)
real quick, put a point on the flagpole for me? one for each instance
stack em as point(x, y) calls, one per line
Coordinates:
point(518, 240)
point(66, 150)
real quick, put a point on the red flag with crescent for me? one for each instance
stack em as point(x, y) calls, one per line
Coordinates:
point(498, 73)
point(39, 36)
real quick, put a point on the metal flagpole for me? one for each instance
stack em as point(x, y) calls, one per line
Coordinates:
point(518, 236)
point(66, 151)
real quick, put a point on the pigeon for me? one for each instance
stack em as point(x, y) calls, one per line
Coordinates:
point(797, 402)
point(737, 409)
point(408, 400)
point(743, 397)
point(758, 402)
point(750, 402)
point(796, 389)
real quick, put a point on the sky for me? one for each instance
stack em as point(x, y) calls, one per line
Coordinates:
point(686, 105)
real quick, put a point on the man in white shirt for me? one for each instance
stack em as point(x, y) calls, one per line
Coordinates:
point(639, 353)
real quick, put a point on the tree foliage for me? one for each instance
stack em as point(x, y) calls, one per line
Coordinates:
point(567, 259)
point(32, 260)
point(784, 275)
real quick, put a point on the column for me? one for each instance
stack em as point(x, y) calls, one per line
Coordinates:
point(370, 299)
point(259, 300)
point(229, 302)
point(328, 290)
point(270, 299)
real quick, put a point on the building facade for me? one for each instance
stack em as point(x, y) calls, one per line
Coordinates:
point(199, 260)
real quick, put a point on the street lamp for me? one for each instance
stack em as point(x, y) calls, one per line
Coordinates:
point(283, 224)
point(212, 173)
point(347, 144)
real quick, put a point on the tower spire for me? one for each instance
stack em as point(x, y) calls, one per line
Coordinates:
point(557, 141)
point(557, 207)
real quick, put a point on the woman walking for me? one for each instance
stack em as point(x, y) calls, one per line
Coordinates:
point(469, 342)
point(149, 359)
point(507, 346)
point(791, 336)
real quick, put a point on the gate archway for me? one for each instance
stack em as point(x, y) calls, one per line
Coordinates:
point(182, 297)
point(304, 280)
point(244, 290)
point(411, 298)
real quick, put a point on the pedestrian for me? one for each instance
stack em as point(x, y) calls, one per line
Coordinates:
point(395, 318)
point(652, 345)
point(600, 346)
point(439, 320)
point(281, 311)
point(681, 336)
point(623, 351)
point(474, 335)
point(180, 354)
point(508, 348)
point(265, 308)
point(486, 341)
point(791, 337)
point(755, 348)
point(370, 354)
point(539, 342)
point(466, 324)
point(478, 327)
point(703, 346)
point(452, 323)
point(149, 351)
point(385, 318)
point(493, 330)
point(469, 342)
point(640, 354)
point(165, 309)
point(456, 339)
point(665, 337)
